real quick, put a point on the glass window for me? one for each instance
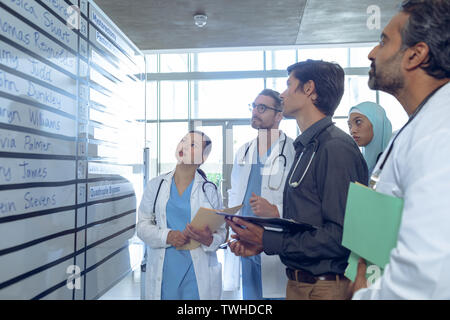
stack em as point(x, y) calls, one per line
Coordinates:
point(229, 61)
point(151, 61)
point(358, 57)
point(224, 98)
point(289, 126)
point(174, 99)
point(342, 124)
point(174, 62)
point(394, 110)
point(277, 84)
point(280, 59)
point(152, 100)
point(356, 91)
point(171, 135)
point(152, 144)
point(339, 55)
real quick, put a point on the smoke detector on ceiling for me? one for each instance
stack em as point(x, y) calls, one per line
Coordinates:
point(200, 20)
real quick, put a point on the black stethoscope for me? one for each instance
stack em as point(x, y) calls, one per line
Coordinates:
point(203, 174)
point(205, 183)
point(315, 146)
point(279, 156)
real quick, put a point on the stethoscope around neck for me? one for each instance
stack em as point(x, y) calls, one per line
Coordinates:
point(279, 156)
point(204, 184)
point(314, 145)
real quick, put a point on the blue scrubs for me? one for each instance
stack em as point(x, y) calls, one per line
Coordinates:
point(179, 281)
point(251, 266)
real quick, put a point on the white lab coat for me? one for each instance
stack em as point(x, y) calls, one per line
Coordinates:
point(273, 273)
point(208, 270)
point(418, 170)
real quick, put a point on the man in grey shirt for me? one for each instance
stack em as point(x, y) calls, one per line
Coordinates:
point(326, 161)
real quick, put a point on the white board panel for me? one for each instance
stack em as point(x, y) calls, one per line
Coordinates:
point(14, 85)
point(68, 100)
point(18, 60)
point(20, 201)
point(16, 170)
point(24, 35)
point(22, 142)
point(45, 20)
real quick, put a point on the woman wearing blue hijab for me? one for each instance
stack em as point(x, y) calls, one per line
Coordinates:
point(371, 130)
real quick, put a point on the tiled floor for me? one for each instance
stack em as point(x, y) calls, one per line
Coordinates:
point(129, 288)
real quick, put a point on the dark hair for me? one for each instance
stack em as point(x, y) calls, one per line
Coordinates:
point(328, 78)
point(275, 95)
point(429, 22)
point(206, 139)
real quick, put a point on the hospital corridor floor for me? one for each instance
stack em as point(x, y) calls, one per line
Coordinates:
point(129, 288)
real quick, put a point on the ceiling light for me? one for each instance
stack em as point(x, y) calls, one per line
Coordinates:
point(200, 20)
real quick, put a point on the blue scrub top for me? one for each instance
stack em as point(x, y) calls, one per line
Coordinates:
point(251, 266)
point(179, 281)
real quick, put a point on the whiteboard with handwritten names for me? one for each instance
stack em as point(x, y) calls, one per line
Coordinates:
point(71, 91)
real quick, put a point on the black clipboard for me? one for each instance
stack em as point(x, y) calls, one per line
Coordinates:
point(279, 224)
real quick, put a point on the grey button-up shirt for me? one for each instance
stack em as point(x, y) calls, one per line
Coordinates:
point(319, 200)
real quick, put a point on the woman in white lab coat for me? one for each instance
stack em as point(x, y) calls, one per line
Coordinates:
point(169, 203)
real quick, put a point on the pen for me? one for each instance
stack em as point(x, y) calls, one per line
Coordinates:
point(224, 245)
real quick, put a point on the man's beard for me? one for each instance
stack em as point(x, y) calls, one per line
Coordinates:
point(388, 79)
point(259, 124)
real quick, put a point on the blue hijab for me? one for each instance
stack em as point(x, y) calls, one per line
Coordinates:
point(382, 131)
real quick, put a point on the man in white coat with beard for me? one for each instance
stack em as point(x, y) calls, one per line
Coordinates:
point(257, 181)
point(412, 63)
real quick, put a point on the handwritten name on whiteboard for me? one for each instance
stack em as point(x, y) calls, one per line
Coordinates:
point(35, 199)
point(22, 34)
point(14, 171)
point(35, 13)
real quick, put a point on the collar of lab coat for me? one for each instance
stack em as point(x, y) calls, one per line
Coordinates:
point(198, 179)
point(274, 151)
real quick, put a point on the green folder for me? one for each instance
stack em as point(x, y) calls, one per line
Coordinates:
point(352, 267)
point(371, 225)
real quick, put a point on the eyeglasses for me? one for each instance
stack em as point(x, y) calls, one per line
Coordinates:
point(261, 107)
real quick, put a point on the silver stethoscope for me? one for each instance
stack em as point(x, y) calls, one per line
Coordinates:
point(295, 184)
point(315, 146)
point(279, 156)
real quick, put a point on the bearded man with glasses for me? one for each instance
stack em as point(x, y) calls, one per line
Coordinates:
point(257, 181)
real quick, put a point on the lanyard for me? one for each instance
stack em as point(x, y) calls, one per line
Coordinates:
point(375, 177)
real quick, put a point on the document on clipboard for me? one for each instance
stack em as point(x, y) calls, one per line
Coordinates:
point(207, 217)
point(276, 224)
point(371, 225)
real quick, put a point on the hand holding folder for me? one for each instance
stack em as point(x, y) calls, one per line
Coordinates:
point(207, 217)
point(371, 225)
